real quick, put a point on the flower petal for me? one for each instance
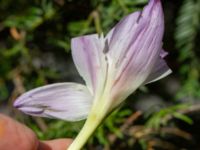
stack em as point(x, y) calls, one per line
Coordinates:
point(141, 49)
point(123, 35)
point(159, 71)
point(119, 38)
point(163, 53)
point(88, 56)
point(66, 101)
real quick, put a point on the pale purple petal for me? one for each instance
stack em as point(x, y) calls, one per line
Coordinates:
point(141, 49)
point(123, 35)
point(163, 53)
point(66, 101)
point(159, 71)
point(87, 53)
point(119, 38)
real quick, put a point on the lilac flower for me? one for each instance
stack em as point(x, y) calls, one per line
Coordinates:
point(113, 67)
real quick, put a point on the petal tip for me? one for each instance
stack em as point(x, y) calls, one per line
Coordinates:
point(154, 1)
point(17, 104)
point(153, 4)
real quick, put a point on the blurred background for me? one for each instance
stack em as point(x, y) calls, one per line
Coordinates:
point(35, 50)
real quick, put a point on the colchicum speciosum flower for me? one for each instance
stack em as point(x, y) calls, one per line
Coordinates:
point(113, 67)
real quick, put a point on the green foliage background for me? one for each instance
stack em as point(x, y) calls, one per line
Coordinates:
point(35, 50)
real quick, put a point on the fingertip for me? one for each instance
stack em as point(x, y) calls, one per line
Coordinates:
point(58, 144)
point(14, 135)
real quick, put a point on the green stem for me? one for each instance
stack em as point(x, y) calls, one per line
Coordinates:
point(88, 129)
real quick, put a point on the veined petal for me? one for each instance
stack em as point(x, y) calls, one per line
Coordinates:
point(136, 60)
point(123, 35)
point(87, 53)
point(119, 38)
point(66, 101)
point(127, 31)
point(159, 71)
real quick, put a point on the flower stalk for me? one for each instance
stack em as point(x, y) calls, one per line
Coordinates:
point(96, 116)
point(88, 129)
